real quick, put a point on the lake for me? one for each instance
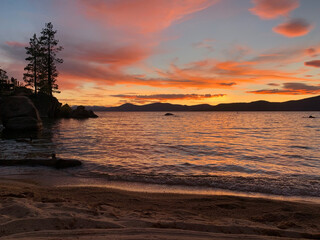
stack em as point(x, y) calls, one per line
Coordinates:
point(259, 152)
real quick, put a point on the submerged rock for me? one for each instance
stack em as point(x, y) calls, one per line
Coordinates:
point(19, 113)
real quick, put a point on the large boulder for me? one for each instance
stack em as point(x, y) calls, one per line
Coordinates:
point(48, 106)
point(80, 112)
point(19, 113)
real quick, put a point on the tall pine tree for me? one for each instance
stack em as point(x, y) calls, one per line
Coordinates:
point(50, 49)
point(33, 70)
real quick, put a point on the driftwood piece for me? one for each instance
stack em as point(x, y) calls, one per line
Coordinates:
point(56, 163)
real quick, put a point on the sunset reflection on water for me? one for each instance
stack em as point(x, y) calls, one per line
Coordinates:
point(244, 151)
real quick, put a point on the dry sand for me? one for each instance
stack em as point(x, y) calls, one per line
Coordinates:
point(31, 211)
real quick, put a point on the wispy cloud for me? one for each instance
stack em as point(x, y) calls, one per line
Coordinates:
point(142, 16)
point(16, 44)
point(165, 97)
point(291, 88)
point(206, 44)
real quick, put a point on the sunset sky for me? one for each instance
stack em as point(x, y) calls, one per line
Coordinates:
point(177, 51)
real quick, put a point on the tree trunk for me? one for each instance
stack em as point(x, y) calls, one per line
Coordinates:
point(49, 69)
point(35, 75)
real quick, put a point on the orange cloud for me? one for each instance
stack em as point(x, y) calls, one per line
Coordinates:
point(208, 73)
point(142, 16)
point(314, 63)
point(270, 9)
point(165, 97)
point(114, 56)
point(293, 28)
point(291, 88)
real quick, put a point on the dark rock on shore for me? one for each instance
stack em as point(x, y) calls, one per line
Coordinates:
point(80, 113)
point(19, 113)
point(169, 114)
point(56, 163)
point(48, 106)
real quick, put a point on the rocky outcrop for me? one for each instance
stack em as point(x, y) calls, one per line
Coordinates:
point(19, 113)
point(65, 111)
point(80, 113)
point(48, 106)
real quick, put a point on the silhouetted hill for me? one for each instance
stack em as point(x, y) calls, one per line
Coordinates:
point(307, 104)
point(159, 107)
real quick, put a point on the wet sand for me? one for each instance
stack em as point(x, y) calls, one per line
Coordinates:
point(31, 211)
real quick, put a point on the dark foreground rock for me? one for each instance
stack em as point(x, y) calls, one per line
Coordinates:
point(80, 113)
point(169, 114)
point(48, 106)
point(55, 163)
point(19, 113)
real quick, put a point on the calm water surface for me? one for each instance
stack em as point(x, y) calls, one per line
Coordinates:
point(264, 152)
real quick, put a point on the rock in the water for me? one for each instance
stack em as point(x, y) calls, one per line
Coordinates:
point(65, 111)
point(80, 113)
point(19, 113)
point(56, 163)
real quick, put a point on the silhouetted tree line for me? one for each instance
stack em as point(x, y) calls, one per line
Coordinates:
point(41, 71)
point(7, 85)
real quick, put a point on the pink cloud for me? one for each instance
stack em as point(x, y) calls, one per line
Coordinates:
point(142, 16)
point(16, 44)
point(270, 9)
point(293, 28)
point(115, 57)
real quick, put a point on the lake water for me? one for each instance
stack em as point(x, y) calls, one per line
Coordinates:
point(260, 152)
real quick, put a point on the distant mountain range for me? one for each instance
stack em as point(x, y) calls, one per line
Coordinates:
point(307, 104)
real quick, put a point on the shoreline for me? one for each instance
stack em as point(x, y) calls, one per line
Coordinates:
point(142, 187)
point(32, 211)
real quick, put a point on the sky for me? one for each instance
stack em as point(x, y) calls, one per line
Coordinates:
point(177, 51)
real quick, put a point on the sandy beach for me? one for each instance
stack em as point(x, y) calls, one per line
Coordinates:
point(31, 211)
